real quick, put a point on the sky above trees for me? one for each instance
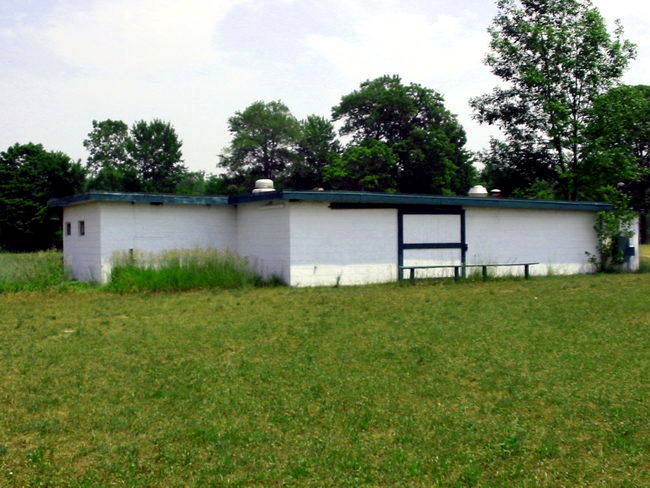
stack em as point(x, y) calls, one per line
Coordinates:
point(195, 63)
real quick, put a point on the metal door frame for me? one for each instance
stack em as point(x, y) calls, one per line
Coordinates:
point(401, 245)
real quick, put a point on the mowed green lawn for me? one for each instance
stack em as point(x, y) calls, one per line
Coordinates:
point(498, 383)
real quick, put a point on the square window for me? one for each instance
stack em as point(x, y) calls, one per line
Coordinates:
point(68, 229)
point(82, 228)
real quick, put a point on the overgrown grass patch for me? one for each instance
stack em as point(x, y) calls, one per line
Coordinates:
point(644, 265)
point(497, 383)
point(181, 270)
point(31, 271)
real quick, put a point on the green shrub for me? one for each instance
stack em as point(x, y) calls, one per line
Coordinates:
point(610, 226)
point(180, 270)
point(31, 271)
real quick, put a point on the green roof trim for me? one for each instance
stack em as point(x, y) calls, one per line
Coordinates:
point(360, 197)
point(412, 199)
point(100, 196)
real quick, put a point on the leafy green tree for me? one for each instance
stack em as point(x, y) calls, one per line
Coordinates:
point(264, 141)
point(108, 165)
point(198, 183)
point(192, 183)
point(619, 136)
point(154, 150)
point(555, 57)
point(123, 178)
point(517, 171)
point(106, 145)
point(370, 165)
point(317, 148)
point(220, 184)
point(29, 177)
point(618, 152)
point(411, 120)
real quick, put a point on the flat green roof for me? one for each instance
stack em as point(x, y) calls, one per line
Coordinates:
point(101, 196)
point(354, 197)
point(396, 199)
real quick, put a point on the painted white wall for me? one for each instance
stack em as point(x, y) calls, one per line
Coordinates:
point(263, 237)
point(419, 228)
point(360, 245)
point(81, 254)
point(347, 247)
point(309, 244)
point(432, 257)
point(113, 227)
point(557, 239)
point(431, 228)
point(155, 228)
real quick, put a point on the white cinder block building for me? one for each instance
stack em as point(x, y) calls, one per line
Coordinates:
point(310, 238)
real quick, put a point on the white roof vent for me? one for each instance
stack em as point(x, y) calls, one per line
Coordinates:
point(263, 185)
point(478, 191)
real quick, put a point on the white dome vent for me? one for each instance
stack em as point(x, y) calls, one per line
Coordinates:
point(478, 191)
point(263, 185)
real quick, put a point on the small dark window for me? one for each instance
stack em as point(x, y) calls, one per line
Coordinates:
point(68, 229)
point(82, 228)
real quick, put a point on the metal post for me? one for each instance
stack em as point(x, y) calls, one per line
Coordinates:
point(484, 271)
point(463, 242)
point(456, 273)
point(526, 271)
point(412, 274)
point(400, 245)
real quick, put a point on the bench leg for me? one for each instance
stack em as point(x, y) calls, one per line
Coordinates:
point(484, 271)
point(526, 271)
point(456, 273)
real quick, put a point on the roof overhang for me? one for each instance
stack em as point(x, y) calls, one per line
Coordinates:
point(398, 199)
point(353, 197)
point(138, 198)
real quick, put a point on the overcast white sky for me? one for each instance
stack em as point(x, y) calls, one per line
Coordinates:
point(195, 62)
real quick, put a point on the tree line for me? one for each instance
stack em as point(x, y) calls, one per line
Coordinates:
point(570, 131)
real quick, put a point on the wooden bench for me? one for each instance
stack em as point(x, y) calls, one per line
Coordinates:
point(459, 267)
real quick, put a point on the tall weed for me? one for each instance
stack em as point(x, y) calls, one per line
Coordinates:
point(180, 270)
point(31, 271)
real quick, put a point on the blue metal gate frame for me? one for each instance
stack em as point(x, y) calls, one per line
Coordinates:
point(401, 245)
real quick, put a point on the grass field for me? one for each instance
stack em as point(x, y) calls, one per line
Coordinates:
point(499, 383)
